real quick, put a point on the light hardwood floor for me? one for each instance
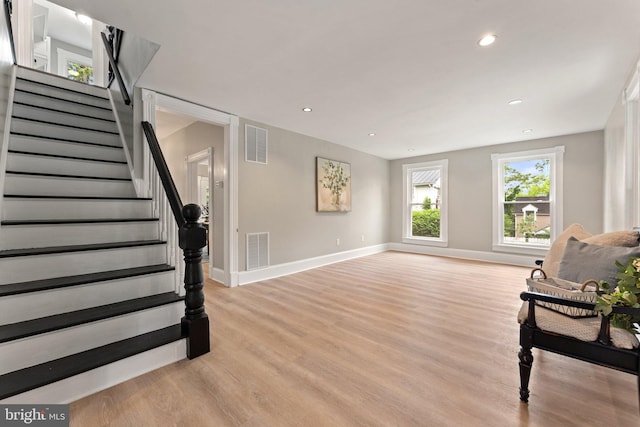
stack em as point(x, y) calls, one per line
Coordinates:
point(392, 339)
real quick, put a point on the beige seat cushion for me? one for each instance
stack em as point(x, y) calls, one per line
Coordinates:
point(627, 238)
point(584, 329)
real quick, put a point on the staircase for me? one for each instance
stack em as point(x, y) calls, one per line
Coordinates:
point(84, 277)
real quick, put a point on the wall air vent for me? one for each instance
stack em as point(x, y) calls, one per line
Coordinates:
point(257, 250)
point(255, 144)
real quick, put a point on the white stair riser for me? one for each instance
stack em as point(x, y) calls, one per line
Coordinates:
point(21, 307)
point(64, 148)
point(65, 95)
point(26, 185)
point(26, 209)
point(90, 382)
point(42, 348)
point(61, 105)
point(55, 80)
point(42, 236)
point(37, 267)
point(61, 166)
point(61, 132)
point(63, 118)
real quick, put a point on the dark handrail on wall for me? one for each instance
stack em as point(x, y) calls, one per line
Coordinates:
point(116, 70)
point(8, 10)
point(192, 238)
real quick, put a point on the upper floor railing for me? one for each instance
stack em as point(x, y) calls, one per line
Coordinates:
point(8, 10)
point(111, 46)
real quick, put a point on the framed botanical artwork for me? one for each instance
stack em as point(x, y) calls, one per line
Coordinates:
point(333, 185)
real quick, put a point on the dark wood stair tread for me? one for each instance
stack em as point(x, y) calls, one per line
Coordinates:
point(39, 107)
point(58, 175)
point(73, 221)
point(58, 156)
point(81, 279)
point(56, 322)
point(45, 122)
point(66, 89)
point(46, 373)
point(77, 248)
point(74, 141)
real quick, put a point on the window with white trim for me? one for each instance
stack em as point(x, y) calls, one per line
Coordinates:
point(527, 200)
point(425, 203)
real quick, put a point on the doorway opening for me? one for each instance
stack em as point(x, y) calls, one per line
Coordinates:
point(199, 189)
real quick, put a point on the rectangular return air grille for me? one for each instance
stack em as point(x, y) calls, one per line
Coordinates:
point(255, 144)
point(257, 250)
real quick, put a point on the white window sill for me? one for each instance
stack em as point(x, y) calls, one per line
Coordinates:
point(425, 241)
point(522, 249)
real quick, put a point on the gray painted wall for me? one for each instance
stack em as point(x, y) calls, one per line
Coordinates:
point(280, 198)
point(190, 140)
point(470, 187)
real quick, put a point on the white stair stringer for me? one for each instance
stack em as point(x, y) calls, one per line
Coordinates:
point(43, 208)
point(63, 166)
point(37, 267)
point(42, 145)
point(33, 350)
point(35, 185)
point(25, 236)
point(16, 308)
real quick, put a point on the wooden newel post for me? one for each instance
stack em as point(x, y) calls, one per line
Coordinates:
point(195, 323)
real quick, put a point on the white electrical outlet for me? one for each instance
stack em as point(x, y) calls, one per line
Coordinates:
point(338, 241)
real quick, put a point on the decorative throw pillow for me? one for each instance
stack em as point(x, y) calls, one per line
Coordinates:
point(552, 260)
point(582, 261)
point(626, 238)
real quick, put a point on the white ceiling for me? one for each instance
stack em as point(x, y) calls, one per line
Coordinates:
point(408, 70)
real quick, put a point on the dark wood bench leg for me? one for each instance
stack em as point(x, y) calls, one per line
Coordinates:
point(526, 361)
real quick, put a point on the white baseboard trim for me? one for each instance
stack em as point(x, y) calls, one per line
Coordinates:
point(79, 386)
point(217, 274)
point(495, 257)
point(246, 277)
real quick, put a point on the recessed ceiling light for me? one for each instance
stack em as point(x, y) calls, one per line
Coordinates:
point(487, 40)
point(515, 102)
point(411, 150)
point(372, 134)
point(527, 131)
point(307, 109)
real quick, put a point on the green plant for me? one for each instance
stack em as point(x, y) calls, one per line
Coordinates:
point(80, 73)
point(626, 294)
point(527, 226)
point(425, 223)
point(426, 204)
